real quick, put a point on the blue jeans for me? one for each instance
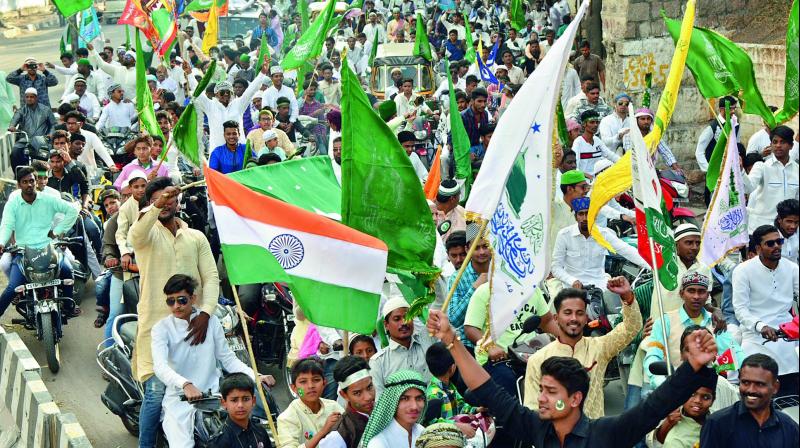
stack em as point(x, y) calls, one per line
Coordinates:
point(150, 412)
point(15, 278)
point(331, 385)
point(102, 285)
point(115, 306)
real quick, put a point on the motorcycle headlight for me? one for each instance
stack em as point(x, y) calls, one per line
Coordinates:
point(420, 135)
point(40, 277)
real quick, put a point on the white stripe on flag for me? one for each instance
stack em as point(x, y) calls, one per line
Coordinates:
point(317, 258)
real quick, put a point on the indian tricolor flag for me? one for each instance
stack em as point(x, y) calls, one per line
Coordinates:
point(335, 273)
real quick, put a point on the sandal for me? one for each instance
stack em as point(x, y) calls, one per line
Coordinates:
point(75, 312)
point(102, 316)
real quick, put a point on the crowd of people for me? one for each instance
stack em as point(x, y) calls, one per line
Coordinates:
point(443, 382)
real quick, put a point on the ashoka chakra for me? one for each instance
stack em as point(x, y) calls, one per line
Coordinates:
point(287, 249)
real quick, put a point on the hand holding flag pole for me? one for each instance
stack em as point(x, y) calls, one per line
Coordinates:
point(463, 268)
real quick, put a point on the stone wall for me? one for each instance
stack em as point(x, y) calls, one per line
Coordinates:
point(637, 42)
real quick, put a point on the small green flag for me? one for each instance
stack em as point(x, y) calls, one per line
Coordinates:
point(459, 139)
point(248, 153)
point(791, 102)
point(309, 46)
point(516, 15)
point(127, 38)
point(715, 162)
point(470, 43)
point(263, 52)
point(648, 85)
point(563, 134)
point(373, 51)
point(422, 47)
point(185, 132)
point(68, 8)
point(721, 68)
point(144, 99)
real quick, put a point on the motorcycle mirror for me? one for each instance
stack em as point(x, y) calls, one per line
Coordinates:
point(530, 325)
point(659, 368)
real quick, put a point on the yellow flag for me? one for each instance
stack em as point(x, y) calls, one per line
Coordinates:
point(617, 179)
point(211, 37)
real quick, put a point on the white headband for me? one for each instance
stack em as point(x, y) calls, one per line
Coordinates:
point(353, 378)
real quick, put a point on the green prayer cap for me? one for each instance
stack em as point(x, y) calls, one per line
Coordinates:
point(387, 109)
point(84, 61)
point(573, 177)
point(244, 58)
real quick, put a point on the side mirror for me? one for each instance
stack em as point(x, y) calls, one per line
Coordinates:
point(659, 368)
point(531, 324)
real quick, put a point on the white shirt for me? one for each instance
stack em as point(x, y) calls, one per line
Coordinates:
point(570, 86)
point(271, 95)
point(609, 129)
point(124, 76)
point(588, 154)
point(758, 141)
point(419, 168)
point(575, 101)
point(576, 257)
point(176, 74)
point(370, 30)
point(395, 436)
point(770, 182)
point(218, 114)
point(705, 138)
point(791, 248)
point(97, 83)
point(121, 115)
point(94, 146)
point(764, 297)
point(516, 75)
point(91, 105)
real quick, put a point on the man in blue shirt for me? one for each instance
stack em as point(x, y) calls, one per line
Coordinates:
point(454, 47)
point(263, 29)
point(29, 217)
point(228, 158)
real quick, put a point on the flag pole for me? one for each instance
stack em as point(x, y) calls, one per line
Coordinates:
point(657, 289)
point(346, 342)
point(464, 265)
point(243, 318)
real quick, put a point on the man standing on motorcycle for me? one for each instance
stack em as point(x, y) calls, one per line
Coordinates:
point(165, 245)
point(29, 217)
point(118, 113)
point(594, 353)
point(34, 119)
point(74, 122)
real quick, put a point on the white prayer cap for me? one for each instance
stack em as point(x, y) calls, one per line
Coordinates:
point(135, 174)
point(130, 54)
point(275, 69)
point(602, 165)
point(269, 134)
point(70, 97)
point(395, 302)
point(31, 91)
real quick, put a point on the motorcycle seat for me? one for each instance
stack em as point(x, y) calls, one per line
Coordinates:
point(127, 332)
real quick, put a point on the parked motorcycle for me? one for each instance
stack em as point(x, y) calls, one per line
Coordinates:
point(194, 204)
point(40, 300)
point(33, 148)
point(272, 325)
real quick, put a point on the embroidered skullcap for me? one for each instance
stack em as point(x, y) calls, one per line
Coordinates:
point(223, 86)
point(444, 434)
point(643, 112)
point(580, 204)
point(694, 278)
point(686, 229)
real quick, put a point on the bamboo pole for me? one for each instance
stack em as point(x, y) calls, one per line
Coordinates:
point(464, 265)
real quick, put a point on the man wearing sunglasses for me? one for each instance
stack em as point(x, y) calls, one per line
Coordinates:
point(186, 369)
point(763, 291)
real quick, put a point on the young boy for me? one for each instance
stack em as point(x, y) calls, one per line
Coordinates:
point(443, 367)
point(308, 418)
point(355, 387)
point(363, 346)
point(240, 430)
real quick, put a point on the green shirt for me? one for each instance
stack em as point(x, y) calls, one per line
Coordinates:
point(476, 317)
point(30, 223)
point(685, 434)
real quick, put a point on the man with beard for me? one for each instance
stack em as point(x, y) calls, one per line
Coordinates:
point(117, 113)
point(764, 288)
point(124, 74)
point(165, 245)
point(565, 384)
point(756, 420)
point(406, 348)
point(594, 353)
point(644, 120)
point(579, 260)
point(355, 388)
point(34, 118)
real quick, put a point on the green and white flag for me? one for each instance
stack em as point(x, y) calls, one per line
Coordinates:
point(309, 46)
point(791, 100)
point(144, 99)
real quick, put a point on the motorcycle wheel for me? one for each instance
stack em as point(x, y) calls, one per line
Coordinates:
point(77, 290)
point(50, 343)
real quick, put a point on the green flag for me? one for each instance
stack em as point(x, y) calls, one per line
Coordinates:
point(144, 99)
point(203, 5)
point(373, 51)
point(715, 162)
point(381, 193)
point(185, 132)
point(263, 52)
point(127, 38)
point(302, 5)
point(309, 46)
point(516, 15)
point(308, 183)
point(470, 43)
point(563, 134)
point(721, 68)
point(790, 95)
point(422, 47)
point(65, 43)
point(459, 139)
point(648, 85)
point(67, 8)
point(248, 153)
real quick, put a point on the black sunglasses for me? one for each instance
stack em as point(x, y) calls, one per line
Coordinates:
point(772, 243)
point(183, 300)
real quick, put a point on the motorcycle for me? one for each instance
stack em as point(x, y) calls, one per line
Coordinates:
point(518, 354)
point(115, 138)
point(271, 327)
point(40, 299)
point(676, 197)
point(194, 204)
point(33, 148)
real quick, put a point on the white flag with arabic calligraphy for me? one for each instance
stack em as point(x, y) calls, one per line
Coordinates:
point(725, 227)
point(515, 188)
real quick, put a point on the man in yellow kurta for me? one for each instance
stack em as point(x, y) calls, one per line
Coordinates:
point(593, 352)
point(164, 246)
point(256, 136)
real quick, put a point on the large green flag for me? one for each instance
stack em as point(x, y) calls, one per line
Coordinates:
point(790, 95)
point(381, 193)
point(459, 139)
point(68, 8)
point(469, 43)
point(516, 15)
point(308, 183)
point(309, 46)
point(715, 162)
point(144, 99)
point(422, 47)
point(185, 132)
point(721, 68)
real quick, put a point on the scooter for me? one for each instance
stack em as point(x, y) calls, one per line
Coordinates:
point(41, 298)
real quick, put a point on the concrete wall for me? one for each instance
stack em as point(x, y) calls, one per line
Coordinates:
point(637, 42)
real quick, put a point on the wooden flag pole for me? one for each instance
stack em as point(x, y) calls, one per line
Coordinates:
point(463, 268)
point(657, 289)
